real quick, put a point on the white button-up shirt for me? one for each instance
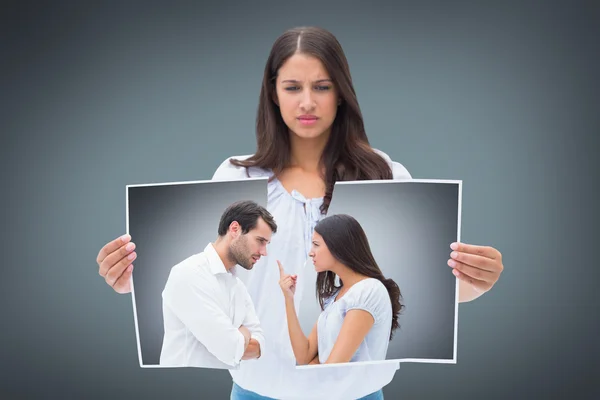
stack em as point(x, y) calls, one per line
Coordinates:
point(203, 307)
point(275, 374)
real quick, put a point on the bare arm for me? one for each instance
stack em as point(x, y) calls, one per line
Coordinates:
point(305, 349)
point(357, 324)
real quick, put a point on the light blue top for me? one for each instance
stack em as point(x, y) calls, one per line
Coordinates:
point(369, 295)
point(275, 374)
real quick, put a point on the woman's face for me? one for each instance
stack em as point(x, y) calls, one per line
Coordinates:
point(322, 258)
point(306, 97)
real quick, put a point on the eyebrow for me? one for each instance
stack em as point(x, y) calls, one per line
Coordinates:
point(296, 81)
point(262, 238)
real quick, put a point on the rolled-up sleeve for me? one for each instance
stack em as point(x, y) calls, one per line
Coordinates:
point(192, 299)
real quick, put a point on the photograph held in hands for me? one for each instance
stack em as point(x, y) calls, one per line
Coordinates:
point(195, 240)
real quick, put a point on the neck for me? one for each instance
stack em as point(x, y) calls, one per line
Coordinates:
point(222, 248)
point(306, 153)
point(348, 276)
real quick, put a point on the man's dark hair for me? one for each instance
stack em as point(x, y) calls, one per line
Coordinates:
point(246, 213)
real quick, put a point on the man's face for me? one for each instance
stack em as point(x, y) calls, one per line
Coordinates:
point(247, 248)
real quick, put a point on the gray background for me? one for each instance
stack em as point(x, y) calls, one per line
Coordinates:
point(169, 223)
point(410, 227)
point(503, 95)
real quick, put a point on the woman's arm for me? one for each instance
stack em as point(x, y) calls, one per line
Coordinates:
point(305, 349)
point(357, 324)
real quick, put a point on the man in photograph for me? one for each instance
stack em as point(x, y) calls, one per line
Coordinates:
point(209, 317)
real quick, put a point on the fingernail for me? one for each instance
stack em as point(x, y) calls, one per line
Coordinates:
point(451, 263)
point(454, 254)
point(130, 268)
point(125, 238)
point(130, 247)
point(131, 256)
point(455, 272)
point(454, 246)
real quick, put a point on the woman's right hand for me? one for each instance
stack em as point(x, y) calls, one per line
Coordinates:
point(287, 283)
point(115, 263)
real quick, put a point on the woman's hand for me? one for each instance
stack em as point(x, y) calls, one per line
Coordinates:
point(287, 283)
point(115, 263)
point(478, 268)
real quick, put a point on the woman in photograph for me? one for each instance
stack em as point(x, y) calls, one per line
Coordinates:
point(309, 134)
point(359, 316)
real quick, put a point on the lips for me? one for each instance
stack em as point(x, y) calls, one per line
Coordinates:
point(307, 118)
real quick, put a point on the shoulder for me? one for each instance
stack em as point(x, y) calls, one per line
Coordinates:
point(228, 171)
point(398, 170)
point(192, 269)
point(370, 295)
point(371, 287)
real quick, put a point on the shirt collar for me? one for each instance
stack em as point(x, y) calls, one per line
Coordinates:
point(215, 264)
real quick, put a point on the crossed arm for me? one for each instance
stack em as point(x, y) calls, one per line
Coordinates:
point(357, 324)
point(193, 301)
point(252, 324)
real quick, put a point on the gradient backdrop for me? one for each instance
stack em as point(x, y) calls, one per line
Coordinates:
point(502, 95)
point(171, 223)
point(410, 226)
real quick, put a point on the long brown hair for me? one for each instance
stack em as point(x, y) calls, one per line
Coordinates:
point(347, 154)
point(348, 243)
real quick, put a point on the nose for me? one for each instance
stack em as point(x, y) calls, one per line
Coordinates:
point(307, 103)
point(263, 251)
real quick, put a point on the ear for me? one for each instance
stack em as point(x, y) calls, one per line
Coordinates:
point(235, 228)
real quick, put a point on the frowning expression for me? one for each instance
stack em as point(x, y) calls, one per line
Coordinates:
point(306, 96)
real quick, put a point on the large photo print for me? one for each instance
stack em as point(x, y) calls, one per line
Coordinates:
point(390, 241)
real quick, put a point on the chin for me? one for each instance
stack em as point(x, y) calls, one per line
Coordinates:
point(304, 132)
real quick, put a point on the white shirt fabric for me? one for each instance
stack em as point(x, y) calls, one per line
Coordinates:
point(369, 295)
point(203, 307)
point(274, 374)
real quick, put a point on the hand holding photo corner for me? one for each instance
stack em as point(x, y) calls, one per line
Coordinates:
point(477, 267)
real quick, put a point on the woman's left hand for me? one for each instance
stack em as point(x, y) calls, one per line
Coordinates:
point(478, 266)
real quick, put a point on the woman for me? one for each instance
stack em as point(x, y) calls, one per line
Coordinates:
point(360, 315)
point(310, 133)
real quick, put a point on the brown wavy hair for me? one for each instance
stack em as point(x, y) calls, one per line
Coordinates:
point(348, 244)
point(347, 154)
